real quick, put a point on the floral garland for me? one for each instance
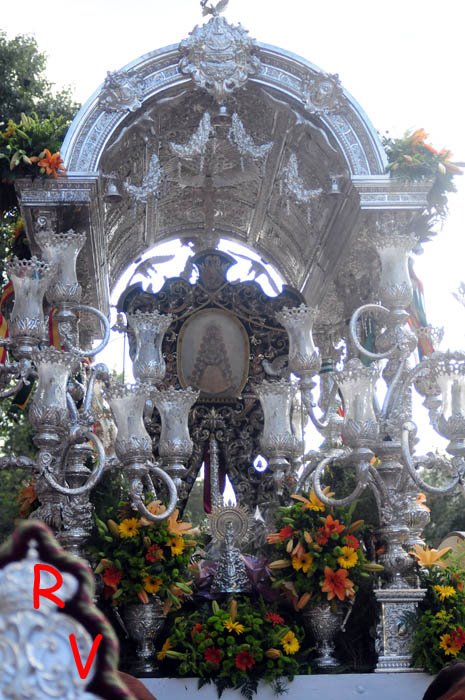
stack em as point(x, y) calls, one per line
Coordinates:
point(320, 556)
point(412, 158)
point(138, 558)
point(234, 645)
point(439, 628)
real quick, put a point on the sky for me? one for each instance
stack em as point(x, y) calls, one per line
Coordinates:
point(402, 61)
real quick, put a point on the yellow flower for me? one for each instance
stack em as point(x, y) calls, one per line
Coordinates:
point(375, 461)
point(313, 502)
point(290, 643)
point(129, 527)
point(444, 591)
point(348, 558)
point(442, 615)
point(152, 584)
point(166, 647)
point(233, 626)
point(302, 561)
point(177, 545)
point(447, 644)
point(429, 557)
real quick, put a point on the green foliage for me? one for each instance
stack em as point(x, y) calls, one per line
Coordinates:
point(235, 645)
point(439, 635)
point(23, 84)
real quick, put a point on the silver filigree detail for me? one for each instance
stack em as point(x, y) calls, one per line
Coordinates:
point(151, 182)
point(244, 143)
point(322, 93)
point(197, 144)
point(121, 92)
point(295, 185)
point(219, 57)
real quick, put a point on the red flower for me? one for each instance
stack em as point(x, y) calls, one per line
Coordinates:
point(213, 655)
point(274, 618)
point(458, 637)
point(352, 541)
point(244, 660)
point(196, 629)
point(284, 534)
point(321, 538)
point(154, 553)
point(111, 577)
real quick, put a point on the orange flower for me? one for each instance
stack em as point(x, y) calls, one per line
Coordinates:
point(418, 136)
point(178, 527)
point(50, 164)
point(421, 501)
point(26, 498)
point(332, 526)
point(337, 584)
point(156, 508)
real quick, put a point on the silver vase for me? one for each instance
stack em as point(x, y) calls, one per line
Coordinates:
point(143, 623)
point(323, 622)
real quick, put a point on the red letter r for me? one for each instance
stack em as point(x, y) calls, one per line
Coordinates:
point(46, 592)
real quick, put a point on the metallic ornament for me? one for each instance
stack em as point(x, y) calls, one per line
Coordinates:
point(121, 92)
point(219, 57)
point(324, 622)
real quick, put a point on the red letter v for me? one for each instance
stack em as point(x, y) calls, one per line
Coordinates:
point(84, 670)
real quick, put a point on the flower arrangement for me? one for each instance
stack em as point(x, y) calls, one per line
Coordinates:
point(411, 157)
point(234, 645)
point(31, 147)
point(138, 558)
point(320, 557)
point(439, 629)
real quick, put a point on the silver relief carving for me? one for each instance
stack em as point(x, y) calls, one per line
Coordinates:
point(322, 93)
point(121, 91)
point(219, 57)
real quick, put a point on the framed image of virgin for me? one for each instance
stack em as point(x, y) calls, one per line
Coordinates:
point(213, 354)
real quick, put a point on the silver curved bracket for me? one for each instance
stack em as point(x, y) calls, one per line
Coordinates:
point(106, 332)
point(12, 390)
point(307, 399)
point(354, 335)
point(362, 468)
point(17, 462)
point(137, 491)
point(94, 475)
point(409, 429)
